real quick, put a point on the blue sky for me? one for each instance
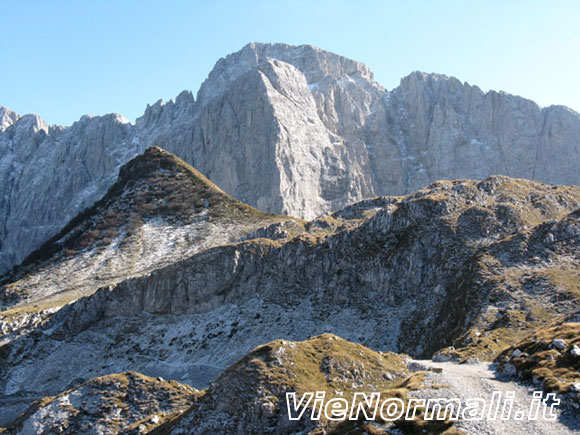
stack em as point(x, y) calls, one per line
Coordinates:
point(62, 59)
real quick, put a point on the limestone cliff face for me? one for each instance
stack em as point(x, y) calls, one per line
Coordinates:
point(448, 129)
point(287, 129)
point(49, 174)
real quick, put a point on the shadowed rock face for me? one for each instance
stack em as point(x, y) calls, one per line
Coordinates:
point(293, 130)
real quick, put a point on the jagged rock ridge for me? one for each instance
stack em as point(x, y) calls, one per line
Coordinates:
point(159, 211)
point(294, 130)
point(50, 174)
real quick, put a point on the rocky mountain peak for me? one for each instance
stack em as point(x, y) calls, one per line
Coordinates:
point(287, 129)
point(29, 123)
point(155, 161)
point(7, 118)
point(314, 63)
point(158, 118)
point(436, 85)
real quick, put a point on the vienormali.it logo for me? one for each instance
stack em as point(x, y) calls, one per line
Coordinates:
point(371, 407)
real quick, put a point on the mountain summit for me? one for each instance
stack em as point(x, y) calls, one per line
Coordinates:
point(287, 129)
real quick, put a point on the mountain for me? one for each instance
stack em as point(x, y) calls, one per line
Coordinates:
point(287, 129)
point(159, 211)
point(249, 397)
point(477, 265)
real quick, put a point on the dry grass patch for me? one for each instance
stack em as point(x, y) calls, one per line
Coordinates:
point(542, 358)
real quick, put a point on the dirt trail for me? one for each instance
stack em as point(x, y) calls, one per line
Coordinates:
point(464, 381)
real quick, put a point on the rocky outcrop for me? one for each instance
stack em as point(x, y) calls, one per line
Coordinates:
point(159, 211)
point(119, 403)
point(250, 396)
point(293, 130)
point(549, 358)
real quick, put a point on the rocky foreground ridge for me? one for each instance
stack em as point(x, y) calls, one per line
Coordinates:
point(477, 265)
point(249, 397)
point(292, 130)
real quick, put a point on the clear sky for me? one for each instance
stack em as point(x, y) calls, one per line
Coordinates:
point(62, 59)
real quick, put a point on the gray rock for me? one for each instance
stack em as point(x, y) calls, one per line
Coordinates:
point(287, 129)
point(559, 344)
point(509, 369)
point(516, 353)
point(49, 174)
point(446, 355)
